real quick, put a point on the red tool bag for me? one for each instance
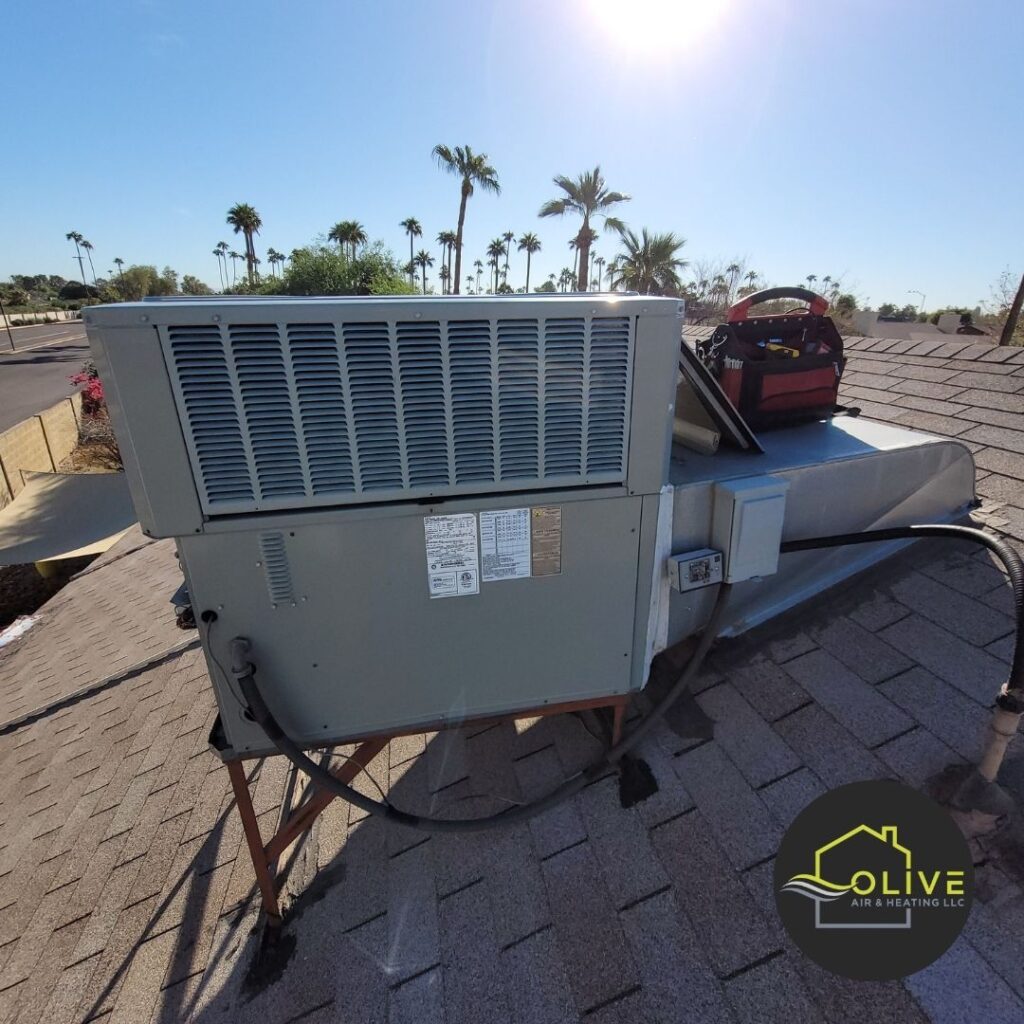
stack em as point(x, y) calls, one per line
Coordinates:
point(779, 369)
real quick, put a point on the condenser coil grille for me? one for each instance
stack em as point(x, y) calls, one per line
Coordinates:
point(290, 415)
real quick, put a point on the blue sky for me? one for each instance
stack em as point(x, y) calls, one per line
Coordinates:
point(879, 140)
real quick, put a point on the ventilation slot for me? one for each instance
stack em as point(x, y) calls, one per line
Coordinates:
point(421, 373)
point(316, 367)
point(374, 409)
point(276, 569)
point(518, 399)
point(267, 402)
point(469, 353)
point(608, 394)
point(207, 399)
point(563, 397)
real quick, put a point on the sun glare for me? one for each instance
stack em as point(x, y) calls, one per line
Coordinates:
point(655, 26)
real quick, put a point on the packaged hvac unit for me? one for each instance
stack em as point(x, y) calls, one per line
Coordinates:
point(418, 510)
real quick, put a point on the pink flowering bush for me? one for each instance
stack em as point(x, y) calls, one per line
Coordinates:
point(88, 381)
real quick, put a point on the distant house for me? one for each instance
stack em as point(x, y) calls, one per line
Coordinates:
point(871, 325)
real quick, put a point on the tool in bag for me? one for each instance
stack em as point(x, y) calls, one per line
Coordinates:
point(777, 369)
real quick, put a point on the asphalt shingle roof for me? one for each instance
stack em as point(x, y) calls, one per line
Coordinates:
point(127, 893)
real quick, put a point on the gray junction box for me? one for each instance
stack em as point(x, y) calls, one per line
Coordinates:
point(417, 510)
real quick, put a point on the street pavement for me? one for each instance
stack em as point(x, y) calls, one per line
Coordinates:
point(35, 375)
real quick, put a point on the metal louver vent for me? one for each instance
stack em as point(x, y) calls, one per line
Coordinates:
point(276, 569)
point(291, 415)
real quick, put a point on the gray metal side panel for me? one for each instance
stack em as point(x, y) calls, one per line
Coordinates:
point(365, 648)
point(148, 432)
point(655, 369)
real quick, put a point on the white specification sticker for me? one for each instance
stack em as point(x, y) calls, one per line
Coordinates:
point(453, 567)
point(505, 544)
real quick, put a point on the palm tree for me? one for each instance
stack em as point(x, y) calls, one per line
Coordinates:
point(479, 267)
point(450, 236)
point(220, 250)
point(588, 195)
point(119, 263)
point(811, 278)
point(496, 250)
point(575, 254)
point(235, 256)
point(650, 263)
point(220, 267)
point(413, 230)
point(446, 239)
point(423, 259)
point(350, 233)
point(244, 218)
point(357, 237)
point(469, 284)
point(613, 269)
point(340, 233)
point(273, 258)
point(508, 238)
point(444, 275)
point(87, 246)
point(474, 170)
point(751, 278)
point(529, 244)
point(733, 270)
point(600, 261)
point(76, 237)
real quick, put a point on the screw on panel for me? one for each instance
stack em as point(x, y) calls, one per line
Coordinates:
point(215, 318)
point(143, 318)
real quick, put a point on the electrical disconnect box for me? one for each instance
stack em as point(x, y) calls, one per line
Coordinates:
point(746, 525)
point(417, 510)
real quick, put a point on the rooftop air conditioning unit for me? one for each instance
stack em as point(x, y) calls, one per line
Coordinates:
point(418, 510)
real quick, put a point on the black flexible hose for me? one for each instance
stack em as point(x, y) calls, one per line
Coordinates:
point(1011, 561)
point(244, 673)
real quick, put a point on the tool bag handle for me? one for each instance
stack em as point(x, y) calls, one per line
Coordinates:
point(818, 303)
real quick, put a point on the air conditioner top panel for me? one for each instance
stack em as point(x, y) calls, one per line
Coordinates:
point(291, 403)
point(166, 309)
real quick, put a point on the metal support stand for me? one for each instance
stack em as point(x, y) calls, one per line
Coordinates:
point(265, 856)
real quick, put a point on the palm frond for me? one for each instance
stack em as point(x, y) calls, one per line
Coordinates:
point(554, 208)
point(445, 158)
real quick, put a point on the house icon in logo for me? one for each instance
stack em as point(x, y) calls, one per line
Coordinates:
point(858, 881)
